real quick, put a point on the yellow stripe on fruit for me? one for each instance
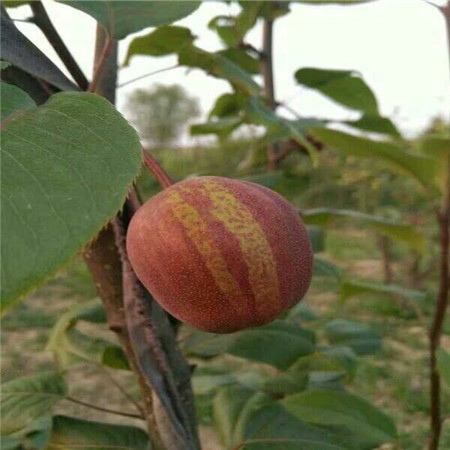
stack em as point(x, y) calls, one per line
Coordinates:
point(197, 230)
point(256, 250)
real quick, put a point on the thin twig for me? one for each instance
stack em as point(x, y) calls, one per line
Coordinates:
point(100, 64)
point(125, 393)
point(99, 408)
point(159, 173)
point(166, 69)
point(42, 20)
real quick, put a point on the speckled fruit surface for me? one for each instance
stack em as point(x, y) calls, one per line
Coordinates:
point(221, 254)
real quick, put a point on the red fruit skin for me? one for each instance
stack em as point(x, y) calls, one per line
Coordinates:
point(221, 254)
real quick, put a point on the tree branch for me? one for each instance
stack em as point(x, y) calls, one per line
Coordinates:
point(159, 173)
point(442, 300)
point(42, 20)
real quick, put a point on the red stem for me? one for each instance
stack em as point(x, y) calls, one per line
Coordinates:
point(101, 64)
point(159, 173)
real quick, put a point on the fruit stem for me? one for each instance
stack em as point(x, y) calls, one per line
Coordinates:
point(159, 173)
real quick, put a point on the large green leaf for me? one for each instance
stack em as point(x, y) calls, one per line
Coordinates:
point(357, 336)
point(443, 363)
point(218, 66)
point(343, 86)
point(403, 232)
point(340, 409)
point(66, 169)
point(357, 288)
point(162, 41)
point(70, 346)
point(75, 434)
point(13, 100)
point(121, 18)
point(244, 418)
point(421, 167)
point(27, 399)
point(279, 343)
point(23, 54)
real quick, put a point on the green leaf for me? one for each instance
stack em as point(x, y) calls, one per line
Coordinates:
point(35, 435)
point(4, 64)
point(13, 100)
point(340, 409)
point(286, 444)
point(70, 346)
point(67, 168)
point(75, 434)
point(15, 3)
point(376, 124)
point(228, 405)
point(11, 443)
point(343, 86)
point(424, 169)
point(18, 50)
point(242, 59)
point(221, 127)
point(403, 232)
point(243, 417)
point(330, 359)
point(121, 18)
point(286, 383)
point(259, 114)
point(358, 288)
point(435, 146)
point(317, 237)
point(26, 399)
point(303, 312)
point(218, 66)
point(228, 105)
point(359, 337)
point(279, 343)
point(162, 41)
point(443, 364)
point(323, 268)
point(224, 26)
point(247, 18)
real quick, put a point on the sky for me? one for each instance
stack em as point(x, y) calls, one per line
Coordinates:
point(399, 47)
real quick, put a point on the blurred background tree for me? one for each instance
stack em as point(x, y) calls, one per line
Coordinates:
point(161, 113)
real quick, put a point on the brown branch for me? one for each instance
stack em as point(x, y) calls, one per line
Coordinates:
point(102, 256)
point(442, 300)
point(266, 65)
point(439, 316)
point(42, 20)
point(99, 408)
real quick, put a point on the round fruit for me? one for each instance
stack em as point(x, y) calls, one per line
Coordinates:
point(221, 254)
